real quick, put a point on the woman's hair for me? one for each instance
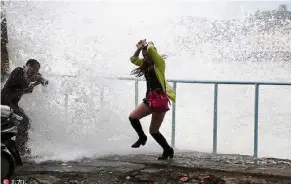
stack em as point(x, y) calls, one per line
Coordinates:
point(138, 72)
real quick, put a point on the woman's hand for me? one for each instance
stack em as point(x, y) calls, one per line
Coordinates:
point(150, 43)
point(141, 44)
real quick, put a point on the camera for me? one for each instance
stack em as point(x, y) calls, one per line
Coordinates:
point(43, 81)
point(37, 77)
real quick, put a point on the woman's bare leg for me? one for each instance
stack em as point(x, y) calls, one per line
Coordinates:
point(157, 120)
point(141, 111)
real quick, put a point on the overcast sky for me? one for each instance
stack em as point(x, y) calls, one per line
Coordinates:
point(230, 9)
point(211, 8)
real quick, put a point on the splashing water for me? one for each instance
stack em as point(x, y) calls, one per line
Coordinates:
point(79, 43)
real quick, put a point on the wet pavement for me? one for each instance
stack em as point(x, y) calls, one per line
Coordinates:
point(184, 168)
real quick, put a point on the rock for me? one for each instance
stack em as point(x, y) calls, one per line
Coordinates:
point(74, 182)
point(193, 181)
point(45, 179)
point(213, 179)
point(143, 177)
point(176, 175)
point(184, 179)
point(194, 176)
point(135, 173)
point(160, 180)
point(127, 177)
point(124, 170)
point(150, 170)
point(92, 182)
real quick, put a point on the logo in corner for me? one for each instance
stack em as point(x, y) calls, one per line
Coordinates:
point(5, 181)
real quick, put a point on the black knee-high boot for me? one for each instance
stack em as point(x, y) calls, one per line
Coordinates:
point(135, 123)
point(168, 151)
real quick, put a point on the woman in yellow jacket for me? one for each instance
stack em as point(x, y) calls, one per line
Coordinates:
point(152, 66)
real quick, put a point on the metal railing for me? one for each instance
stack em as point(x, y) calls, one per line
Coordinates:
point(215, 91)
point(257, 84)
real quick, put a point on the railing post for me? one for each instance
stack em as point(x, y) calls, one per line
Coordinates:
point(256, 121)
point(214, 150)
point(102, 96)
point(136, 93)
point(67, 105)
point(174, 117)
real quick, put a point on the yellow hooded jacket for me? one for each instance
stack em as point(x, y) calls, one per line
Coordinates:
point(159, 67)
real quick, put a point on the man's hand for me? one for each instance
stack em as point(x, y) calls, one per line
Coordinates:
point(30, 87)
point(34, 78)
point(33, 84)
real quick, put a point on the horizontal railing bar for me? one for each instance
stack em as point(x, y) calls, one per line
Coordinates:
point(195, 81)
point(61, 75)
point(213, 82)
